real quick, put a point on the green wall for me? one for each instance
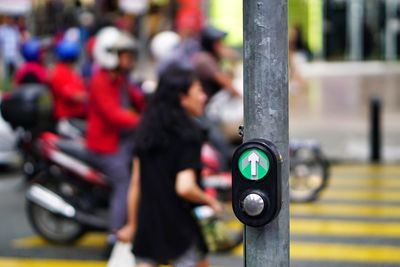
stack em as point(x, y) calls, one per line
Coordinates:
point(227, 15)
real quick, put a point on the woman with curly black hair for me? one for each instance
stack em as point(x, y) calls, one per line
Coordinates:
point(168, 144)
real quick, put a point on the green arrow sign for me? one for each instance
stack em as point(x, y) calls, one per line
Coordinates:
point(253, 164)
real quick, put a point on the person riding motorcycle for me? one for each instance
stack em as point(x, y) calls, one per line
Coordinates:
point(207, 62)
point(113, 115)
point(67, 87)
point(33, 70)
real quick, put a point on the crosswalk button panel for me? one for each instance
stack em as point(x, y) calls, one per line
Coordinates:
point(256, 182)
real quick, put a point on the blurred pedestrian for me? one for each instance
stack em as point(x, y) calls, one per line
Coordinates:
point(169, 143)
point(189, 24)
point(9, 41)
point(208, 67)
point(207, 62)
point(298, 55)
point(178, 46)
point(114, 109)
point(88, 66)
point(69, 93)
point(33, 69)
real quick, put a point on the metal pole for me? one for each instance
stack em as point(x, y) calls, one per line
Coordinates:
point(375, 130)
point(391, 30)
point(355, 15)
point(266, 116)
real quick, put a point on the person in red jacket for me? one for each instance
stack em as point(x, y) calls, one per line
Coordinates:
point(113, 115)
point(33, 70)
point(67, 87)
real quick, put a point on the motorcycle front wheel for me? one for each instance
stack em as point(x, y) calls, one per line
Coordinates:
point(307, 180)
point(53, 227)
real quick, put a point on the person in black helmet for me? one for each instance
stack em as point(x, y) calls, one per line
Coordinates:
point(207, 62)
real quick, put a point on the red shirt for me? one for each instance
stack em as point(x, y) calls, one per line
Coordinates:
point(107, 117)
point(31, 68)
point(65, 86)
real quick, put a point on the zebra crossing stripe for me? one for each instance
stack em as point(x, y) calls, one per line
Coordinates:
point(340, 252)
point(378, 195)
point(344, 228)
point(366, 170)
point(345, 252)
point(362, 183)
point(339, 228)
point(92, 240)
point(345, 210)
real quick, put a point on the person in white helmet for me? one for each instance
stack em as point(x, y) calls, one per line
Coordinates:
point(114, 109)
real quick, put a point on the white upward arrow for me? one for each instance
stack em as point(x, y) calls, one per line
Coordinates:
point(253, 159)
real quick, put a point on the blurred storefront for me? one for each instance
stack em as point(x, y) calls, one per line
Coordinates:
point(15, 7)
point(331, 29)
point(349, 29)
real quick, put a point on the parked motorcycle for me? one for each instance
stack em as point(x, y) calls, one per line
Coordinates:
point(69, 196)
point(66, 196)
point(27, 109)
point(309, 170)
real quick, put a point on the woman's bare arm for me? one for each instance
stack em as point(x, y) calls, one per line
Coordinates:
point(187, 188)
point(126, 233)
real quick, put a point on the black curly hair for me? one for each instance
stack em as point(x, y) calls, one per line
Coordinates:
point(165, 116)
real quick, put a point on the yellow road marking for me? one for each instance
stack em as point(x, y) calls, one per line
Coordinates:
point(345, 210)
point(366, 169)
point(298, 226)
point(302, 250)
point(360, 195)
point(19, 262)
point(340, 252)
point(345, 252)
point(339, 228)
point(365, 182)
point(91, 240)
point(344, 228)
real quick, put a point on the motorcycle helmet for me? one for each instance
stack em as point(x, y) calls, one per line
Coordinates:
point(189, 19)
point(67, 50)
point(209, 35)
point(163, 44)
point(72, 35)
point(109, 42)
point(31, 50)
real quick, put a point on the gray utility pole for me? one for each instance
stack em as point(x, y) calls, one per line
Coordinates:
point(391, 30)
point(355, 17)
point(266, 116)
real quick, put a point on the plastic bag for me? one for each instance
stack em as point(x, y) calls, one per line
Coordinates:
point(121, 255)
point(217, 233)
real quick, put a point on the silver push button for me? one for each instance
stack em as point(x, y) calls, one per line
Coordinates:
point(253, 204)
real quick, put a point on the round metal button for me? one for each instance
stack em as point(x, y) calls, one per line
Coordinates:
point(253, 204)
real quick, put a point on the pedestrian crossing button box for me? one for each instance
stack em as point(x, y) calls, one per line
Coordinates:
point(256, 182)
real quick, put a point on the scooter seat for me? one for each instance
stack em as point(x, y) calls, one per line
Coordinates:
point(77, 150)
